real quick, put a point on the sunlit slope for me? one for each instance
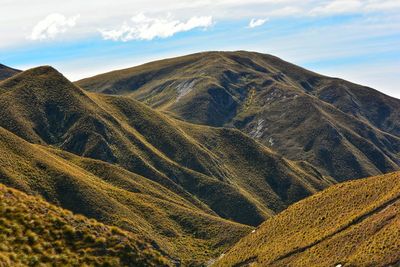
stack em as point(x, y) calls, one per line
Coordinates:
point(347, 130)
point(43, 107)
point(115, 196)
point(353, 224)
point(34, 232)
point(116, 160)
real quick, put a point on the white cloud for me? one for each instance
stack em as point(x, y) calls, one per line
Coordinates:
point(52, 25)
point(256, 22)
point(105, 14)
point(382, 5)
point(286, 11)
point(148, 28)
point(337, 6)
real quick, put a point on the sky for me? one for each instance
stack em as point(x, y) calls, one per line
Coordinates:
point(357, 40)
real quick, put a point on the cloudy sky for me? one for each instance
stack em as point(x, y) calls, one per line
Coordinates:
point(358, 40)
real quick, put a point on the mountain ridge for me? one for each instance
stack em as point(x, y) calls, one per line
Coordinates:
point(201, 184)
point(7, 72)
point(300, 114)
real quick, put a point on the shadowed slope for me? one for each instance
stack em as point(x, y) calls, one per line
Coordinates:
point(33, 232)
point(115, 196)
point(352, 224)
point(194, 174)
point(348, 131)
point(7, 72)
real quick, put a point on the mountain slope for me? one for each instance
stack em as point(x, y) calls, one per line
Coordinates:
point(118, 161)
point(7, 72)
point(348, 131)
point(43, 107)
point(33, 231)
point(115, 196)
point(352, 224)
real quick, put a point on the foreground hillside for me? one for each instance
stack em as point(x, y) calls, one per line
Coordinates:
point(193, 190)
point(352, 224)
point(118, 197)
point(34, 232)
point(347, 130)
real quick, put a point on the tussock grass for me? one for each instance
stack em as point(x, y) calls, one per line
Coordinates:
point(346, 130)
point(34, 232)
point(354, 224)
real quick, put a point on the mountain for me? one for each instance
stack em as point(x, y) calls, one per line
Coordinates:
point(346, 130)
point(34, 232)
point(7, 72)
point(351, 224)
point(194, 190)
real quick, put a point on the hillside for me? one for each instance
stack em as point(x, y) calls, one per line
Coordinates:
point(351, 224)
point(191, 189)
point(118, 197)
point(33, 231)
point(7, 72)
point(346, 130)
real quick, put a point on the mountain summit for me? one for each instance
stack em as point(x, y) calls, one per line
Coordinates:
point(346, 130)
point(194, 190)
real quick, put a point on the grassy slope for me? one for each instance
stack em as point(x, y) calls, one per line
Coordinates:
point(143, 171)
point(347, 130)
point(33, 231)
point(115, 196)
point(354, 224)
point(6, 72)
point(41, 106)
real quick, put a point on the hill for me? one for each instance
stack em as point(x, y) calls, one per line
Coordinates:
point(346, 130)
point(117, 197)
point(194, 190)
point(33, 231)
point(351, 224)
point(7, 72)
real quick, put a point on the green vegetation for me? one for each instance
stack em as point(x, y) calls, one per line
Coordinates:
point(346, 130)
point(115, 196)
point(354, 224)
point(36, 233)
point(193, 190)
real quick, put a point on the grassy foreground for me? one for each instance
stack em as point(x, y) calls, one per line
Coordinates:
point(353, 224)
point(34, 232)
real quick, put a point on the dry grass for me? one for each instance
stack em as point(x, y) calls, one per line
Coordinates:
point(33, 233)
point(348, 131)
point(353, 224)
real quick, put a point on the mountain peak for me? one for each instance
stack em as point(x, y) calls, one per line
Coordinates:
point(43, 70)
point(38, 79)
point(273, 101)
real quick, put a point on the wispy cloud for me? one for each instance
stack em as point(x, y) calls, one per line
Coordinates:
point(142, 27)
point(257, 22)
point(355, 6)
point(337, 6)
point(52, 25)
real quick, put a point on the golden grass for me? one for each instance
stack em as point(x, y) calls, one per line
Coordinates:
point(118, 197)
point(34, 232)
point(346, 130)
point(354, 224)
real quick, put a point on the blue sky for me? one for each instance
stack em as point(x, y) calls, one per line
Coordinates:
point(358, 40)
